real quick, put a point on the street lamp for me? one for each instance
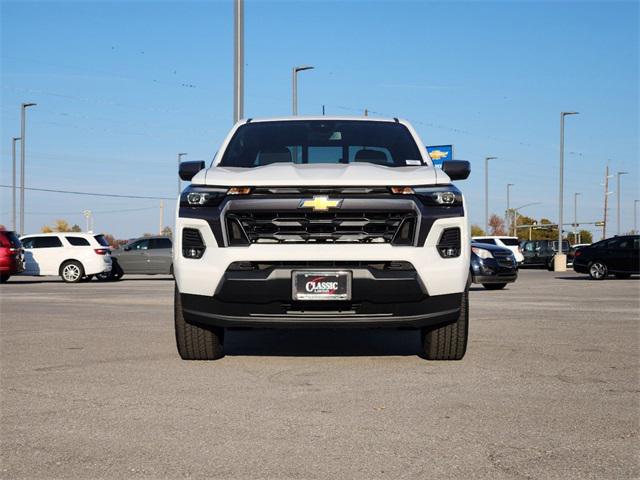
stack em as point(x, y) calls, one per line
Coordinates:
point(23, 136)
point(618, 194)
point(13, 159)
point(515, 216)
point(294, 87)
point(560, 260)
point(508, 215)
point(486, 193)
point(238, 60)
point(575, 216)
point(180, 155)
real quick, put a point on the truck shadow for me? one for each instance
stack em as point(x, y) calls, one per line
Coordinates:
point(322, 342)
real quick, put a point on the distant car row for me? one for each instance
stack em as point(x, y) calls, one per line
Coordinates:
point(79, 257)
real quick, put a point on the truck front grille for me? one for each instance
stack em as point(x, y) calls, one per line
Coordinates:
point(244, 228)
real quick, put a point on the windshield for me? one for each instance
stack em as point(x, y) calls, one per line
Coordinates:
point(512, 242)
point(319, 141)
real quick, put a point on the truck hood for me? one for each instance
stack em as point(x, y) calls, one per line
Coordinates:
point(289, 174)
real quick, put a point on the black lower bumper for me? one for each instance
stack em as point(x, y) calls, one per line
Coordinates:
point(209, 311)
point(495, 278)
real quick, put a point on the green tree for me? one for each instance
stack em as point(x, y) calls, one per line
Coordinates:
point(76, 228)
point(167, 231)
point(476, 231)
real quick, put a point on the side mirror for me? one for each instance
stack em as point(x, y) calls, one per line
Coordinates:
point(188, 170)
point(456, 169)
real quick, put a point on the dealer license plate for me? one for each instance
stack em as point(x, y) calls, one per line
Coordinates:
point(331, 285)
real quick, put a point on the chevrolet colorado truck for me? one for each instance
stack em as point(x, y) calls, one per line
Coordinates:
point(321, 222)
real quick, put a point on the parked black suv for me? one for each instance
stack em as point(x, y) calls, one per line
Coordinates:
point(492, 266)
point(619, 256)
point(540, 253)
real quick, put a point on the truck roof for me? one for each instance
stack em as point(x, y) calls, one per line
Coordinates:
point(321, 117)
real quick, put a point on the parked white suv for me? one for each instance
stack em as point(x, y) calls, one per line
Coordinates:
point(322, 221)
point(72, 255)
point(512, 243)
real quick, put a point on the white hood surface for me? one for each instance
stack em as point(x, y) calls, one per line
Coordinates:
point(328, 175)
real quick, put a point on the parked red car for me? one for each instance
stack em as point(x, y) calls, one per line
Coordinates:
point(11, 255)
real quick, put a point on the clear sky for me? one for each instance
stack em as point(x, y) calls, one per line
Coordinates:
point(122, 87)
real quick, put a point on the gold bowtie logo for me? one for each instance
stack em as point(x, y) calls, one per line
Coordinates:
point(320, 204)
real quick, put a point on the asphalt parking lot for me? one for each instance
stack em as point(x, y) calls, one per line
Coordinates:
point(92, 387)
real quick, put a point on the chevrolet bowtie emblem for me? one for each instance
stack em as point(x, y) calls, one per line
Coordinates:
point(320, 204)
point(437, 154)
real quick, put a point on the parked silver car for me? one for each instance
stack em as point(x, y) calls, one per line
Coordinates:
point(146, 256)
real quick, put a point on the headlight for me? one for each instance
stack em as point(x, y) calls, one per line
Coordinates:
point(481, 252)
point(200, 196)
point(443, 196)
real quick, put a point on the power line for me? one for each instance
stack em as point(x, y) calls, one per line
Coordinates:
point(92, 194)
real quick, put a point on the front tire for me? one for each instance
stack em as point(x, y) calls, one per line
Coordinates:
point(494, 286)
point(448, 342)
point(194, 342)
point(72, 271)
point(4, 277)
point(598, 270)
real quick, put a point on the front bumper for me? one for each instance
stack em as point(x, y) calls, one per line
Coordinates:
point(381, 296)
point(491, 271)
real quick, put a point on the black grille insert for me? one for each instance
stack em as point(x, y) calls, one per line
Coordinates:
point(321, 227)
point(449, 243)
point(192, 244)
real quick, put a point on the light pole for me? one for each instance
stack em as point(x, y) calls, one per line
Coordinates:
point(618, 195)
point(635, 216)
point(13, 159)
point(23, 145)
point(294, 86)
point(238, 60)
point(87, 215)
point(575, 216)
point(180, 155)
point(508, 215)
point(486, 193)
point(560, 260)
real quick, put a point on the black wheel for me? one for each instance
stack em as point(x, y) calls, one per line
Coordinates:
point(550, 264)
point(448, 342)
point(494, 286)
point(116, 270)
point(194, 342)
point(4, 277)
point(622, 276)
point(598, 270)
point(104, 276)
point(72, 271)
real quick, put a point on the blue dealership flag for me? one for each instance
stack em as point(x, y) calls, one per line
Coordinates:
point(440, 153)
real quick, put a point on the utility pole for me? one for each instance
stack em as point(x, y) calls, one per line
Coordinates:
point(619, 174)
point(606, 201)
point(486, 194)
point(366, 112)
point(13, 158)
point(23, 144)
point(575, 217)
point(635, 216)
point(508, 214)
point(180, 155)
point(238, 60)
point(161, 216)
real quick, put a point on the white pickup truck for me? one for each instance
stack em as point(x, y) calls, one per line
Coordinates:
point(321, 221)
